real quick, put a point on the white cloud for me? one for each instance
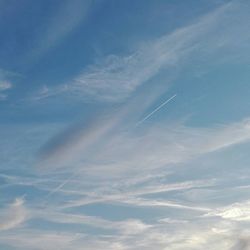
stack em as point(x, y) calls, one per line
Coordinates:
point(125, 227)
point(129, 195)
point(173, 234)
point(159, 146)
point(235, 212)
point(13, 215)
point(128, 154)
point(111, 161)
point(162, 203)
point(192, 237)
point(126, 234)
point(40, 240)
point(115, 77)
point(6, 82)
point(4, 86)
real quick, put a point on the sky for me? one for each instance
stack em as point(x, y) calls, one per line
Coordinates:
point(124, 125)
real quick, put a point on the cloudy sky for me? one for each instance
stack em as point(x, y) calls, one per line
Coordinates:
point(124, 124)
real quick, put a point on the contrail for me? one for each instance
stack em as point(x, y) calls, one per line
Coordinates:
point(56, 189)
point(155, 110)
point(60, 186)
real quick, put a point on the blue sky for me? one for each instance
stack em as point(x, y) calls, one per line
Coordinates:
point(124, 124)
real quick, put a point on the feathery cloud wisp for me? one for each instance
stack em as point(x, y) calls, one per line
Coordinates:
point(4, 85)
point(69, 15)
point(114, 78)
point(13, 215)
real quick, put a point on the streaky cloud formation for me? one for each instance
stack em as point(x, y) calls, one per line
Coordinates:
point(5, 84)
point(161, 145)
point(68, 16)
point(91, 158)
point(116, 77)
point(235, 212)
point(13, 215)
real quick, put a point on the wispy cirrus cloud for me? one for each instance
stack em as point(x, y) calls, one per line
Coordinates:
point(124, 227)
point(179, 233)
point(5, 84)
point(173, 237)
point(155, 147)
point(13, 215)
point(126, 154)
point(59, 25)
point(109, 161)
point(38, 239)
point(132, 195)
point(116, 77)
point(236, 212)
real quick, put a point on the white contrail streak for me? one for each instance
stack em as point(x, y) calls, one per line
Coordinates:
point(155, 110)
point(59, 187)
point(138, 123)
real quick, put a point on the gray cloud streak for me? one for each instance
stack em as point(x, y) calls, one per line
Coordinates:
point(242, 244)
